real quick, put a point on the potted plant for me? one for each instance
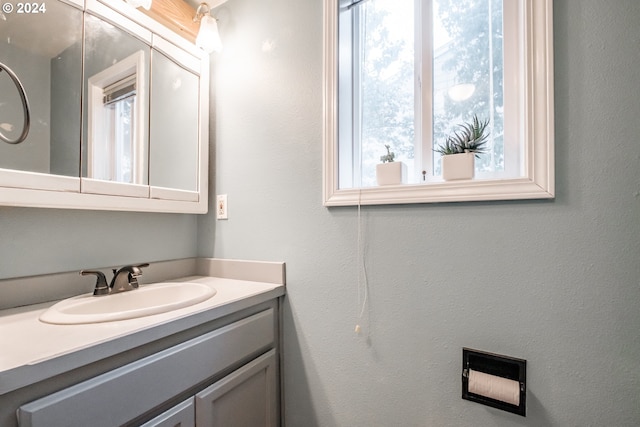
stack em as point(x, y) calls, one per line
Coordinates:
point(390, 172)
point(460, 149)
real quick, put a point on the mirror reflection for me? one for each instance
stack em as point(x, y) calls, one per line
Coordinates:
point(174, 125)
point(47, 61)
point(26, 111)
point(79, 99)
point(116, 109)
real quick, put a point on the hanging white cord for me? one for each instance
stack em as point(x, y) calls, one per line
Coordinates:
point(362, 269)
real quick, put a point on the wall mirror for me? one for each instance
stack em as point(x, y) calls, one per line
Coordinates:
point(174, 123)
point(118, 111)
point(115, 145)
point(47, 59)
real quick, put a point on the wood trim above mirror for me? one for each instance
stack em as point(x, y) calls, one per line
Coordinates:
point(176, 15)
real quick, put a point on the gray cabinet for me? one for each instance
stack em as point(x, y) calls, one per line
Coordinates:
point(181, 415)
point(233, 367)
point(245, 398)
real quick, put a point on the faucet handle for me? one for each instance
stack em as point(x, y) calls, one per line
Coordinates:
point(134, 272)
point(102, 288)
point(137, 269)
point(134, 277)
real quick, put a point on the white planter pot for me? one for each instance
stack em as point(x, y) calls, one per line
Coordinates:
point(458, 166)
point(392, 173)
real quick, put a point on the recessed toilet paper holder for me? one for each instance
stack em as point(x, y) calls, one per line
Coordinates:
point(494, 380)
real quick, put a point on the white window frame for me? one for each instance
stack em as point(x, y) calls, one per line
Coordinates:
point(534, 81)
point(132, 65)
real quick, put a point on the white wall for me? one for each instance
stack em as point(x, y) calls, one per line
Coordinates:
point(555, 282)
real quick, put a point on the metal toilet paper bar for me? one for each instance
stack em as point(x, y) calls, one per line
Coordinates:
point(494, 380)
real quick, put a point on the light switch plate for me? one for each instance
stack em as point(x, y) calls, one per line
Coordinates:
point(222, 207)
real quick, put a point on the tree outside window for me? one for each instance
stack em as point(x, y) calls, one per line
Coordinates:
point(467, 76)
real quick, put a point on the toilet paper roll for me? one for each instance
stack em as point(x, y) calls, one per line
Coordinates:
point(498, 388)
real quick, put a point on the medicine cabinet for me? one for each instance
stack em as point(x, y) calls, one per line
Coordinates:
point(117, 114)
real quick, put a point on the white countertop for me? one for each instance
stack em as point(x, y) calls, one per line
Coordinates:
point(27, 343)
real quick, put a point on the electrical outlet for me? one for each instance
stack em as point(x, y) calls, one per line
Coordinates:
point(222, 207)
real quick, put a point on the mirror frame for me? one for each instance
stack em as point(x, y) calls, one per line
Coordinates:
point(32, 189)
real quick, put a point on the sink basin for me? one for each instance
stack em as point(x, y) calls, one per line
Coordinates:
point(144, 301)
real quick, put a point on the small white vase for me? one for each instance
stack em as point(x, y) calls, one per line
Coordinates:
point(392, 173)
point(458, 166)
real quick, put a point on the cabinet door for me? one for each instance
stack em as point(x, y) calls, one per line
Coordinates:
point(245, 398)
point(181, 415)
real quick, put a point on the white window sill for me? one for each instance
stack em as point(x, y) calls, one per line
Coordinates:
point(445, 191)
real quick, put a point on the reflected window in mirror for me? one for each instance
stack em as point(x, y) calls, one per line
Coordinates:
point(115, 149)
point(119, 117)
point(47, 59)
point(115, 146)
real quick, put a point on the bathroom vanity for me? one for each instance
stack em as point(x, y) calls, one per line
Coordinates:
point(213, 363)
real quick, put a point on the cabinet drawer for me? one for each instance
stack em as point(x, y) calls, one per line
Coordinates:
point(121, 395)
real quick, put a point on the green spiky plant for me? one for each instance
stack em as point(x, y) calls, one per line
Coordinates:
point(472, 138)
point(389, 157)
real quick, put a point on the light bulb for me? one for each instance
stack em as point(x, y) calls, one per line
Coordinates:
point(208, 37)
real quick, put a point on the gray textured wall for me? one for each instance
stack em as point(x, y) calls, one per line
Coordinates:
point(41, 241)
point(554, 282)
point(66, 91)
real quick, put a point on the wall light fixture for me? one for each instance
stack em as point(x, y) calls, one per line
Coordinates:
point(208, 37)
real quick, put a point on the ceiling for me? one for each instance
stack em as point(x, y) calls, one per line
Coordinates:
point(45, 36)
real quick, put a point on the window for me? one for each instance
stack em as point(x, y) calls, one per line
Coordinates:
point(114, 154)
point(407, 72)
point(116, 125)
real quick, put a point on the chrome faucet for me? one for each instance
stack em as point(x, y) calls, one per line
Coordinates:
point(124, 279)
